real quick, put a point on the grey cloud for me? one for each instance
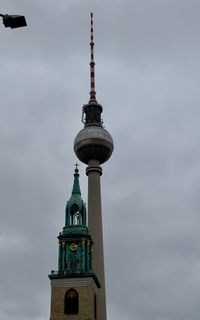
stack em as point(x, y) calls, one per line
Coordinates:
point(147, 75)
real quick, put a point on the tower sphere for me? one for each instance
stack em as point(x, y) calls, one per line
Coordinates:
point(93, 143)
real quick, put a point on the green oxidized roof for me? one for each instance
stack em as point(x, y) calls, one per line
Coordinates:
point(75, 213)
point(76, 193)
point(75, 242)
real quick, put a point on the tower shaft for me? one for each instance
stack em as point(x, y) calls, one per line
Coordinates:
point(94, 171)
point(93, 146)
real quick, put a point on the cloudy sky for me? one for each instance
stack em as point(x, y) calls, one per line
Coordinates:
point(147, 79)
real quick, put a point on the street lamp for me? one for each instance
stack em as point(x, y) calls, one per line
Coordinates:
point(13, 21)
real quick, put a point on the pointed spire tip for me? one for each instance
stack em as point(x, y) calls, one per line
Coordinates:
point(76, 168)
point(76, 186)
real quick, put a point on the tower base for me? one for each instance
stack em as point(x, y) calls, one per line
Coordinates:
point(73, 299)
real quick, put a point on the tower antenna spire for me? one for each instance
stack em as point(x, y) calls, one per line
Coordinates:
point(92, 64)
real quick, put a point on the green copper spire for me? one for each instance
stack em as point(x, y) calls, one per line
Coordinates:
point(75, 208)
point(75, 242)
point(76, 187)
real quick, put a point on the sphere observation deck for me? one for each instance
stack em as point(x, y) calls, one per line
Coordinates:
point(93, 143)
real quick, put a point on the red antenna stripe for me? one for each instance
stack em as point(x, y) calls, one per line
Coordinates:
point(92, 63)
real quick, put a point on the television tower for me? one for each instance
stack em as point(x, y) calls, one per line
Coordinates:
point(93, 146)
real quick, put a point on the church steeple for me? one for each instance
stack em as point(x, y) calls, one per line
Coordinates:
point(75, 242)
point(74, 284)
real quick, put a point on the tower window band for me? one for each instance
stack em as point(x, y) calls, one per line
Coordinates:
point(71, 302)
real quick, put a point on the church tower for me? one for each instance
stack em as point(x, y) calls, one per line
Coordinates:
point(74, 286)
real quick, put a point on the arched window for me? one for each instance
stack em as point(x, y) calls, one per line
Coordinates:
point(76, 217)
point(71, 302)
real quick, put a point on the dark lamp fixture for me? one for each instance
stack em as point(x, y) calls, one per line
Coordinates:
point(13, 21)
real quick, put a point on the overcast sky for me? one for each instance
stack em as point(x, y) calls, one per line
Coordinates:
point(147, 79)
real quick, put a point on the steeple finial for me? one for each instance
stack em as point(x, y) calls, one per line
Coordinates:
point(76, 167)
point(92, 64)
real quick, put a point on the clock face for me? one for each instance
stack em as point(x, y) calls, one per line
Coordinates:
point(73, 246)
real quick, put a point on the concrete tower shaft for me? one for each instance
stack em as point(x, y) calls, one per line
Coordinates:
point(94, 171)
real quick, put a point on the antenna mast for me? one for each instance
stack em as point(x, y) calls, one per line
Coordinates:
point(92, 64)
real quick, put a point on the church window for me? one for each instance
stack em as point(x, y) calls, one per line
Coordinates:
point(76, 217)
point(71, 302)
